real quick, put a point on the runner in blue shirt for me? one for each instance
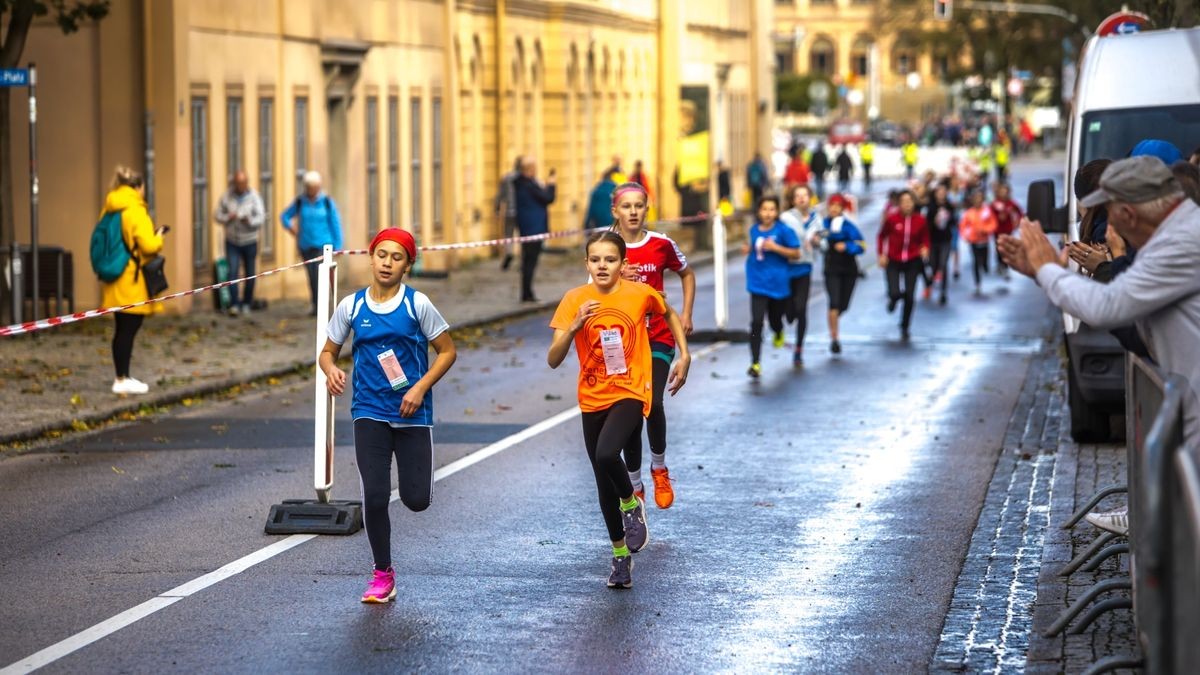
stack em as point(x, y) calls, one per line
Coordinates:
point(393, 326)
point(768, 279)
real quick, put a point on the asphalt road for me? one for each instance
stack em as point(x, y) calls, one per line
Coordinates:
point(821, 518)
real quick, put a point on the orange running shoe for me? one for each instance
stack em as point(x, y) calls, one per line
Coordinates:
point(640, 493)
point(664, 495)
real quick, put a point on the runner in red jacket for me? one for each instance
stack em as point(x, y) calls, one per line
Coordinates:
point(903, 246)
point(1008, 214)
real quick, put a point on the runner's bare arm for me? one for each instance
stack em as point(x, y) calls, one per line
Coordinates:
point(683, 360)
point(447, 354)
point(687, 276)
point(335, 378)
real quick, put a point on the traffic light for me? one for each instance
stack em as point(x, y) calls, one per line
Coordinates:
point(942, 9)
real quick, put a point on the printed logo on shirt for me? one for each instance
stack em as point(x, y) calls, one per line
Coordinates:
point(366, 322)
point(609, 319)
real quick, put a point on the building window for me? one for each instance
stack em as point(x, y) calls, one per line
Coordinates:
point(415, 135)
point(860, 57)
point(821, 57)
point(301, 141)
point(234, 157)
point(904, 56)
point(437, 168)
point(941, 66)
point(785, 59)
point(200, 248)
point(393, 161)
point(372, 166)
point(266, 174)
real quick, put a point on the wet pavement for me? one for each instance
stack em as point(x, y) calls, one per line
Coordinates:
point(821, 522)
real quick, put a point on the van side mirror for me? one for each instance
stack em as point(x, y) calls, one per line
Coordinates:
point(1040, 206)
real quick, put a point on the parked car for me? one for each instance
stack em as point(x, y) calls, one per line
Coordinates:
point(845, 131)
point(886, 132)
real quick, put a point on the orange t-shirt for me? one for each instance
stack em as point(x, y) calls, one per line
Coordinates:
point(625, 310)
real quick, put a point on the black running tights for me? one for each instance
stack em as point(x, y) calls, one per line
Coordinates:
point(762, 306)
point(656, 423)
point(605, 433)
point(375, 443)
point(122, 342)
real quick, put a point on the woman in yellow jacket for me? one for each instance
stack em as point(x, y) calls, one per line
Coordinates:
point(144, 240)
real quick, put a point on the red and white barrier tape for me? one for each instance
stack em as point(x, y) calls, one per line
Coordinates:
point(42, 324)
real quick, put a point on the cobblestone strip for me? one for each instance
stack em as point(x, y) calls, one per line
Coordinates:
point(991, 614)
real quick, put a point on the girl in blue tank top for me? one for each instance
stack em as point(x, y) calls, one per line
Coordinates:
point(394, 326)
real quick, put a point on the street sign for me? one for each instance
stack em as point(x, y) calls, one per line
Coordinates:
point(1123, 23)
point(14, 77)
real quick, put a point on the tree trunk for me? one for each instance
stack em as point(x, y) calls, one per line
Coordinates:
point(10, 57)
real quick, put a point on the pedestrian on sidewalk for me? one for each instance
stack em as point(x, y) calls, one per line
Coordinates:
point(757, 176)
point(143, 241)
point(1159, 293)
point(842, 243)
point(394, 326)
point(820, 166)
point(1008, 215)
point(241, 212)
point(866, 157)
point(606, 321)
point(648, 255)
point(903, 245)
point(533, 198)
point(600, 204)
point(942, 220)
point(505, 209)
point(845, 169)
point(314, 220)
point(772, 244)
point(976, 227)
point(805, 223)
point(908, 154)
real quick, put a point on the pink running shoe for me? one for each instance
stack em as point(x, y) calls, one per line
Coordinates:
point(382, 588)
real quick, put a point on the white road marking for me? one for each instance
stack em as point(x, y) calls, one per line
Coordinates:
point(130, 616)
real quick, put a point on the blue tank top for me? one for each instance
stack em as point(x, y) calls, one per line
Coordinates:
point(374, 334)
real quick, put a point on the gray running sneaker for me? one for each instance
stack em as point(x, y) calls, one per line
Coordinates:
point(1116, 521)
point(637, 534)
point(622, 572)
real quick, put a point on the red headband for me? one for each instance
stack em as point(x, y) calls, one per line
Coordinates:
point(399, 236)
point(839, 200)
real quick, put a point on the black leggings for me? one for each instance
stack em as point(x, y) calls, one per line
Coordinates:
point(800, 290)
point(605, 433)
point(656, 423)
point(122, 342)
point(979, 253)
point(839, 286)
point(939, 259)
point(311, 270)
point(773, 310)
point(910, 269)
point(375, 443)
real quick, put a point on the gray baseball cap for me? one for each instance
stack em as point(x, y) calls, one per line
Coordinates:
point(1134, 180)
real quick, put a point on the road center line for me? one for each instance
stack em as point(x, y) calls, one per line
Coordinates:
point(132, 615)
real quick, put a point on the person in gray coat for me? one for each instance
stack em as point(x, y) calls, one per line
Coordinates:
point(1159, 293)
point(242, 213)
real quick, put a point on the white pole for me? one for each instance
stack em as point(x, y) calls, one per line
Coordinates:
point(720, 290)
point(323, 409)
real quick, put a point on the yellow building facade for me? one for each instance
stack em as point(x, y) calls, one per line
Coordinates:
point(410, 109)
point(856, 42)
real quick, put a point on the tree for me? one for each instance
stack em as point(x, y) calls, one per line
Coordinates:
point(19, 16)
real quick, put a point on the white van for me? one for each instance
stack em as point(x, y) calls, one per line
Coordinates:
point(1129, 88)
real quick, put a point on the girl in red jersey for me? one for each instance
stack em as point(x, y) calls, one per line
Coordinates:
point(647, 255)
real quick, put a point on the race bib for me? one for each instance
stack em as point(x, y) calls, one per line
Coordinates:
point(392, 370)
point(614, 351)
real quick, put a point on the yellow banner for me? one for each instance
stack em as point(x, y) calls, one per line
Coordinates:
point(693, 158)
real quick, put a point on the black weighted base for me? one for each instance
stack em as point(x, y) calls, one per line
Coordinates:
point(309, 516)
point(715, 335)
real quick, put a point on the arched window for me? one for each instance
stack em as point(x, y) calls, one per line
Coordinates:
point(821, 57)
point(860, 56)
point(904, 55)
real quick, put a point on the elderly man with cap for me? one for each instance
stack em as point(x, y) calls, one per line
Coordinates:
point(1159, 294)
point(242, 213)
point(317, 223)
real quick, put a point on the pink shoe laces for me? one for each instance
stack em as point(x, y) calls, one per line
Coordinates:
point(382, 584)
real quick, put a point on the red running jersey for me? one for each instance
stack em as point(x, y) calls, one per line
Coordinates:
point(650, 257)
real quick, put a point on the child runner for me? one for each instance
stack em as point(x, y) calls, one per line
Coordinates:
point(842, 242)
point(805, 223)
point(606, 320)
point(903, 245)
point(977, 225)
point(942, 219)
point(1008, 215)
point(393, 326)
point(647, 255)
point(772, 245)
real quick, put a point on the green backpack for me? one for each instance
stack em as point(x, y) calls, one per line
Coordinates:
point(110, 255)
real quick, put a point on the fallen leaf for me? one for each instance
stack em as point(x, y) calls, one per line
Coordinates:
point(76, 399)
point(79, 425)
point(118, 471)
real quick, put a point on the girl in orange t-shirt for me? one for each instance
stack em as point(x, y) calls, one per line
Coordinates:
point(977, 225)
point(606, 319)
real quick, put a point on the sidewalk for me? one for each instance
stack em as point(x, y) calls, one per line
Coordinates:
point(58, 380)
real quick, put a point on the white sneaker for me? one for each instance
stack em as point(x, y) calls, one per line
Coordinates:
point(129, 385)
point(1116, 521)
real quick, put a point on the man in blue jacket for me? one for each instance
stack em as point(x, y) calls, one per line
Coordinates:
point(317, 224)
point(532, 218)
point(600, 204)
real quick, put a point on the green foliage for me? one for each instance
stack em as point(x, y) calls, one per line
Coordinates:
point(791, 92)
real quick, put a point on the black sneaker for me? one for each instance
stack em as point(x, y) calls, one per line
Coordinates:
point(621, 575)
point(754, 371)
point(942, 300)
point(835, 347)
point(892, 304)
point(637, 535)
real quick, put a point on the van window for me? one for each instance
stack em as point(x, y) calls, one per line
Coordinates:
point(1113, 133)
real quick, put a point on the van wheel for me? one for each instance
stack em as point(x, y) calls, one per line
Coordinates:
point(1087, 424)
